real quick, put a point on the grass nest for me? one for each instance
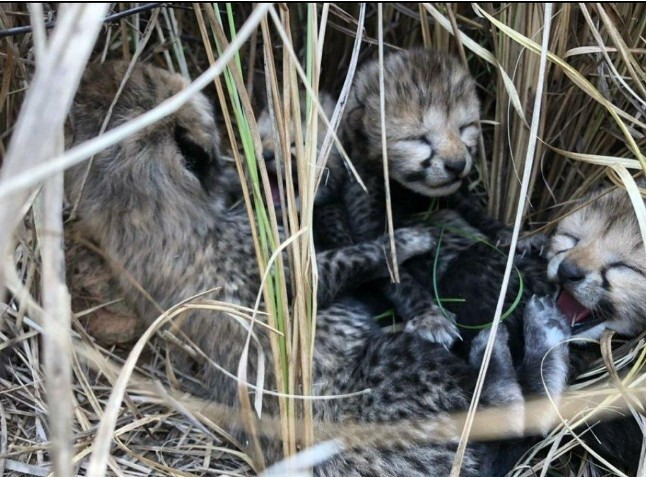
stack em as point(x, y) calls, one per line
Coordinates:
point(57, 379)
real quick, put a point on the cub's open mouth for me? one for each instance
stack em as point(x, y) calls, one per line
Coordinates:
point(276, 188)
point(580, 317)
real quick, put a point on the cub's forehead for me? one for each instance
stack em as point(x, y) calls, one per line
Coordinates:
point(414, 73)
point(198, 120)
point(201, 109)
point(609, 222)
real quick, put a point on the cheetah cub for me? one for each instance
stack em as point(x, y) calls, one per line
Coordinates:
point(431, 115)
point(597, 256)
point(594, 266)
point(153, 205)
point(432, 127)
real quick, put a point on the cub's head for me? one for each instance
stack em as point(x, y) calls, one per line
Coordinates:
point(334, 172)
point(432, 119)
point(598, 257)
point(170, 167)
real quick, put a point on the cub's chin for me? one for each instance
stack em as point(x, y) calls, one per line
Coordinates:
point(433, 190)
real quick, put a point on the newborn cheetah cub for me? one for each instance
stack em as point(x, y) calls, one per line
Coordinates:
point(153, 205)
point(431, 115)
point(597, 256)
point(432, 127)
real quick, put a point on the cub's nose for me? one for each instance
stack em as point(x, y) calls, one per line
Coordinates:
point(569, 272)
point(456, 167)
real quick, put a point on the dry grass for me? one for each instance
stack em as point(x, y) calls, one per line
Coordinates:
point(590, 130)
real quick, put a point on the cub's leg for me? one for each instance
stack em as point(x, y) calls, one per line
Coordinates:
point(423, 316)
point(501, 387)
point(346, 267)
point(414, 303)
point(546, 359)
point(545, 364)
point(331, 227)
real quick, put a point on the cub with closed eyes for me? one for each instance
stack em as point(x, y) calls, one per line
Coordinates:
point(432, 126)
point(598, 257)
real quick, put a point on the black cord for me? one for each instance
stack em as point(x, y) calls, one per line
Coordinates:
point(109, 19)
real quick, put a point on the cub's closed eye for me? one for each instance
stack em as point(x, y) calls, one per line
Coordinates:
point(564, 242)
point(464, 127)
point(626, 266)
point(422, 139)
point(572, 237)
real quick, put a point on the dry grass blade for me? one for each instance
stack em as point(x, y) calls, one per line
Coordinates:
point(57, 319)
point(385, 160)
point(335, 120)
point(636, 198)
point(52, 90)
point(534, 125)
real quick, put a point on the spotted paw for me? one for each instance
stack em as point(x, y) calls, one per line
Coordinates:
point(435, 326)
point(544, 324)
point(412, 241)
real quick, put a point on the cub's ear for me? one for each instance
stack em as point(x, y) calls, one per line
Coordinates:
point(356, 115)
point(640, 181)
point(68, 130)
point(203, 164)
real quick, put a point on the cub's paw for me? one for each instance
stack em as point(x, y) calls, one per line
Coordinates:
point(412, 241)
point(535, 243)
point(434, 326)
point(500, 350)
point(545, 326)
